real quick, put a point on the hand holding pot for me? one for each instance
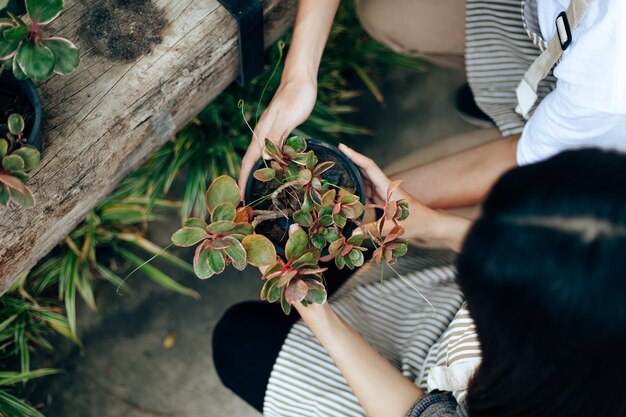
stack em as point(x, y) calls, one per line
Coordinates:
point(428, 226)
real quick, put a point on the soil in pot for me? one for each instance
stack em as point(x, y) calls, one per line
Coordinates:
point(12, 101)
point(344, 174)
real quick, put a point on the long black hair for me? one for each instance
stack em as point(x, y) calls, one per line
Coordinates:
point(544, 273)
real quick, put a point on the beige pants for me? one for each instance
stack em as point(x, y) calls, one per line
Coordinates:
point(432, 29)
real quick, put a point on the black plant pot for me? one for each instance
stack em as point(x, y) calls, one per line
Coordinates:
point(10, 85)
point(344, 173)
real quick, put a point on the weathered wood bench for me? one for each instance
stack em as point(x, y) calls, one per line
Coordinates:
point(106, 118)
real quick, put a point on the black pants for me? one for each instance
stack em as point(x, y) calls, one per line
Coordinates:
point(248, 339)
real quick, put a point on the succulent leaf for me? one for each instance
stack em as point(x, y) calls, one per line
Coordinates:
point(194, 222)
point(4, 147)
point(201, 265)
point(339, 220)
point(18, 33)
point(66, 55)
point(5, 195)
point(318, 241)
point(297, 143)
point(13, 163)
point(44, 11)
point(329, 197)
point(221, 226)
point(24, 198)
point(225, 211)
point(244, 229)
point(317, 293)
point(284, 304)
point(12, 182)
point(336, 245)
point(356, 240)
point(304, 177)
point(270, 150)
point(30, 155)
point(340, 261)
point(216, 260)
point(259, 250)
point(188, 236)
point(357, 257)
point(296, 291)
point(223, 189)
point(274, 291)
point(17, 70)
point(236, 253)
point(7, 48)
point(303, 218)
point(311, 160)
point(331, 235)
point(36, 61)
point(265, 174)
point(349, 199)
point(297, 243)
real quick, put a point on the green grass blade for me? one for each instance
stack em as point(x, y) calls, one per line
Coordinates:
point(156, 275)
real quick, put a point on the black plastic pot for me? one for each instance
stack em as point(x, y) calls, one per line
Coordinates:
point(325, 152)
point(27, 87)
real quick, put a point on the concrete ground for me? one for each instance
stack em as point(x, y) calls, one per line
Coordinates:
point(149, 353)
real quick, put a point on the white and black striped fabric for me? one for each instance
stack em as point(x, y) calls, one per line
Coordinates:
point(393, 316)
point(502, 40)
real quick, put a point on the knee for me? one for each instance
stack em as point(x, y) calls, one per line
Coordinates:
point(413, 27)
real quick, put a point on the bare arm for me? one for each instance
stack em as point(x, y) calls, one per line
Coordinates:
point(312, 27)
point(295, 98)
point(462, 179)
point(381, 389)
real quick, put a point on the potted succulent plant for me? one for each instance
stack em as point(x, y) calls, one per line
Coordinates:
point(26, 54)
point(16, 159)
point(301, 202)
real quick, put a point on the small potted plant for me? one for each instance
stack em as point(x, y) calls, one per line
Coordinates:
point(27, 53)
point(16, 159)
point(299, 205)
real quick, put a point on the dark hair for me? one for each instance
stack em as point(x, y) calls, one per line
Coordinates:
point(544, 273)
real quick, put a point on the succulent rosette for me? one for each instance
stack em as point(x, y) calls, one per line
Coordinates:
point(27, 51)
point(17, 158)
point(228, 237)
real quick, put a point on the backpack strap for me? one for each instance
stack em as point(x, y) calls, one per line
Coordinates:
point(566, 23)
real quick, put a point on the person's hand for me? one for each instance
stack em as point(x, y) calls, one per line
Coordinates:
point(291, 106)
point(428, 226)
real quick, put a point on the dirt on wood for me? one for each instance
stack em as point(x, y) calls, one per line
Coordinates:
point(123, 30)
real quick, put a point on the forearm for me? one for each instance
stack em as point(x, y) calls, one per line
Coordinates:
point(381, 389)
point(463, 179)
point(311, 29)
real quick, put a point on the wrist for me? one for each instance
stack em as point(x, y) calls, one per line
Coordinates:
point(300, 71)
point(449, 230)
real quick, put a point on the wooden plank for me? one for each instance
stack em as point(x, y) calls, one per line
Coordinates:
point(106, 118)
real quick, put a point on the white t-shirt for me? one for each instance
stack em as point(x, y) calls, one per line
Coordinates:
point(588, 106)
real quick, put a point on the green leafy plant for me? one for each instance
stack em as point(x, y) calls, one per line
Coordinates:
point(17, 159)
point(25, 324)
point(319, 213)
point(228, 237)
point(26, 50)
